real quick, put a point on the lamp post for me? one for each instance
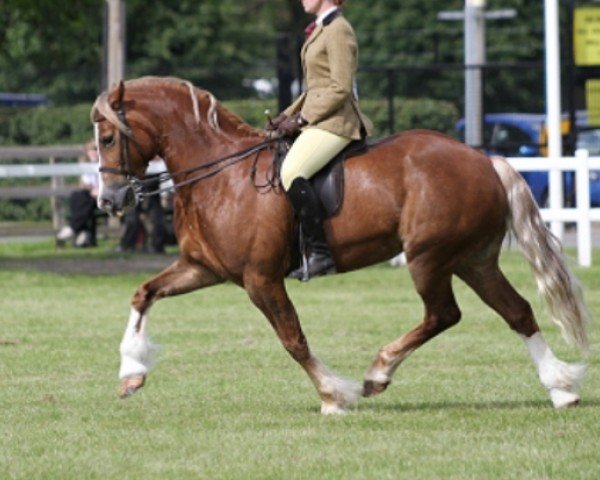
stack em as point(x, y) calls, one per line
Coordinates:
point(114, 42)
point(553, 106)
point(475, 57)
point(474, 17)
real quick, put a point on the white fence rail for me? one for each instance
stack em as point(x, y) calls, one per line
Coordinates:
point(51, 170)
point(583, 215)
point(55, 170)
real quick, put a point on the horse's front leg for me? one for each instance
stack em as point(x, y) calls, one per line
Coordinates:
point(337, 394)
point(136, 348)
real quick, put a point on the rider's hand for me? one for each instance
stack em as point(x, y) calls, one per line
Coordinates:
point(273, 123)
point(290, 126)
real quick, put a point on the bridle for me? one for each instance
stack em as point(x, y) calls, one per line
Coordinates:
point(219, 164)
point(123, 168)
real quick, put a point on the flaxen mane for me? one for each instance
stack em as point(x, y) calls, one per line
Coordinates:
point(214, 111)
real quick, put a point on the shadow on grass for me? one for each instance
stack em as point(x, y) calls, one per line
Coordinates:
point(103, 264)
point(494, 405)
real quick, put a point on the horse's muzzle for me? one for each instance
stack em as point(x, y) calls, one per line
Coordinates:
point(117, 200)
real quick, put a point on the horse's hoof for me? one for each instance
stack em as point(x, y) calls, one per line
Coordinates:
point(130, 385)
point(332, 409)
point(563, 398)
point(371, 388)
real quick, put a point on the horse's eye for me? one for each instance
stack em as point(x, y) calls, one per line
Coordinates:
point(107, 141)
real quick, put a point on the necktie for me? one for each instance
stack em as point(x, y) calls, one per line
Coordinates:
point(309, 29)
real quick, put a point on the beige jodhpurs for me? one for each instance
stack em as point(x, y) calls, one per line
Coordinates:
point(311, 151)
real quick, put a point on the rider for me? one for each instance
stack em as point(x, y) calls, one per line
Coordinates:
point(328, 116)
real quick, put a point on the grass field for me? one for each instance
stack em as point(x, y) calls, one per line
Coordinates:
point(226, 402)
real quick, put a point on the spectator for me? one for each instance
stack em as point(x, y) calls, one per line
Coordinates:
point(82, 204)
point(146, 227)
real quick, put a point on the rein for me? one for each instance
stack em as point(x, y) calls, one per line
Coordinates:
point(234, 158)
point(138, 184)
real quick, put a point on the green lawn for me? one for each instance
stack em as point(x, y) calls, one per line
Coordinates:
point(226, 401)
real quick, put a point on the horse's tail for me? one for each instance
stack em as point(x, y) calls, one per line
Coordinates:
point(559, 287)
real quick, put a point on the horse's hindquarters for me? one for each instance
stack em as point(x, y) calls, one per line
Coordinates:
point(415, 192)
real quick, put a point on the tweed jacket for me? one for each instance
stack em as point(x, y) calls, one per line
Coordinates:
point(329, 57)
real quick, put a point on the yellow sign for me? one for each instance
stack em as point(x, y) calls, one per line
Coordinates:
point(586, 33)
point(592, 101)
point(565, 127)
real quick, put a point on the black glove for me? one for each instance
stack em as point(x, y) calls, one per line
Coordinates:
point(291, 125)
point(273, 123)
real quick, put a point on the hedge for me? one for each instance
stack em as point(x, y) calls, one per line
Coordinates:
point(409, 113)
point(71, 125)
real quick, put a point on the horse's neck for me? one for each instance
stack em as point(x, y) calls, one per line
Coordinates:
point(210, 148)
point(212, 136)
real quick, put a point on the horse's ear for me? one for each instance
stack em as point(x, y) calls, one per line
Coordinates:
point(117, 103)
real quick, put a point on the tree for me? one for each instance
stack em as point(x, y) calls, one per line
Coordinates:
point(56, 51)
point(218, 43)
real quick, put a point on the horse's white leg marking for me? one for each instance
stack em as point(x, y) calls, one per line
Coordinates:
point(385, 364)
point(136, 349)
point(559, 378)
point(337, 394)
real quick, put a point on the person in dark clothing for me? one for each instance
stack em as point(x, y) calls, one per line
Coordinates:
point(82, 206)
point(145, 227)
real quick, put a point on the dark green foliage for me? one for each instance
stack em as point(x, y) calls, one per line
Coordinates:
point(36, 209)
point(47, 125)
point(218, 43)
point(68, 125)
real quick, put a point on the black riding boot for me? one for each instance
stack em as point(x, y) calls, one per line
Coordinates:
point(308, 209)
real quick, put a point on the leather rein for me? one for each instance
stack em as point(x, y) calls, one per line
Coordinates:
point(138, 184)
point(233, 158)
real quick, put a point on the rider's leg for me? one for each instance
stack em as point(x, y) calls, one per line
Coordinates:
point(310, 215)
point(312, 150)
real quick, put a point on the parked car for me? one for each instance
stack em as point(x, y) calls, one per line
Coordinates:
point(523, 135)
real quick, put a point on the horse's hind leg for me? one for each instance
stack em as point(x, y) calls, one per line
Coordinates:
point(441, 312)
point(136, 349)
point(559, 378)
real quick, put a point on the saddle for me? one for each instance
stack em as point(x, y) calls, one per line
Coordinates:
point(329, 181)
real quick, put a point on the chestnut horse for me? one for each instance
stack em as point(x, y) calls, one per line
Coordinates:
point(447, 206)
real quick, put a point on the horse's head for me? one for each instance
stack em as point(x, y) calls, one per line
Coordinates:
point(124, 148)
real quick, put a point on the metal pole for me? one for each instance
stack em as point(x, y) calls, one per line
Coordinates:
point(553, 107)
point(475, 58)
point(116, 42)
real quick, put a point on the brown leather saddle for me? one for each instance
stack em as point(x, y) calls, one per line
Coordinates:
point(329, 181)
point(329, 186)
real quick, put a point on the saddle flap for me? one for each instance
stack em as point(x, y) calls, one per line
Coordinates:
point(329, 181)
point(329, 186)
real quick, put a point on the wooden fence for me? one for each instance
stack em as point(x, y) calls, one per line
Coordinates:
point(54, 170)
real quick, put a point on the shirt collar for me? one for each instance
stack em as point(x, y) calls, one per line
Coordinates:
point(325, 14)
